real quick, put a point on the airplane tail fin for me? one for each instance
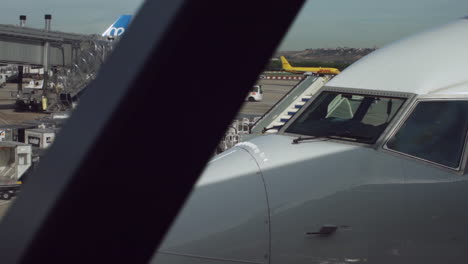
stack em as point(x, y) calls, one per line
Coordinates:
point(285, 63)
point(118, 27)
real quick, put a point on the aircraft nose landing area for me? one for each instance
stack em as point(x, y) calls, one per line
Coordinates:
point(225, 218)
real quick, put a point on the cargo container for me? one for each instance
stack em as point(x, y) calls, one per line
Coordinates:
point(15, 162)
point(40, 137)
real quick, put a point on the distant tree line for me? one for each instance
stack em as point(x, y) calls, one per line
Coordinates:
point(276, 65)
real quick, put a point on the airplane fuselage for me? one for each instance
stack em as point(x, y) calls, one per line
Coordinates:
point(316, 70)
point(372, 169)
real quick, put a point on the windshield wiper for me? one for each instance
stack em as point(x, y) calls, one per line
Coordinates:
point(265, 129)
point(345, 136)
point(350, 136)
point(299, 139)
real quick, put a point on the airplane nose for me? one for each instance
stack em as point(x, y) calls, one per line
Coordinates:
point(226, 211)
point(232, 164)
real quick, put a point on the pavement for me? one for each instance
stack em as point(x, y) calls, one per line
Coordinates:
point(7, 114)
point(9, 117)
point(4, 205)
point(273, 91)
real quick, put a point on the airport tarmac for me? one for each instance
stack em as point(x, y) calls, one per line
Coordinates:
point(7, 114)
point(273, 91)
point(4, 205)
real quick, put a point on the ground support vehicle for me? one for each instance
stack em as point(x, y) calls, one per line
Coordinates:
point(9, 191)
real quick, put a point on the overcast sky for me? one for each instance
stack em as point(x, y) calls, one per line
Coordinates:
point(365, 23)
point(321, 24)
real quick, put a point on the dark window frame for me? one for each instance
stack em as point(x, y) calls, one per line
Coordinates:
point(464, 155)
point(409, 98)
point(359, 109)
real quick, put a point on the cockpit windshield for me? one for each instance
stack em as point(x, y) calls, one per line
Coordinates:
point(352, 117)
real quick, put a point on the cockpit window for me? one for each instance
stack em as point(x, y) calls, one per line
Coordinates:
point(435, 131)
point(352, 117)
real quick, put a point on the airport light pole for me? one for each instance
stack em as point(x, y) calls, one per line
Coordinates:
point(20, 67)
point(22, 20)
point(45, 84)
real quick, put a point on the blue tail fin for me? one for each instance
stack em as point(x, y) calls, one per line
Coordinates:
point(118, 27)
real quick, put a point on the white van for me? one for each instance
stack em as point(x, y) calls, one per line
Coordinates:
point(255, 94)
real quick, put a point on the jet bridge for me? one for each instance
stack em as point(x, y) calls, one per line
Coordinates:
point(22, 45)
point(75, 59)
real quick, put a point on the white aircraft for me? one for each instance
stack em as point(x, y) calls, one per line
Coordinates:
point(372, 170)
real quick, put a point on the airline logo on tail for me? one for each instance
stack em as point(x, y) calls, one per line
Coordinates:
point(119, 26)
